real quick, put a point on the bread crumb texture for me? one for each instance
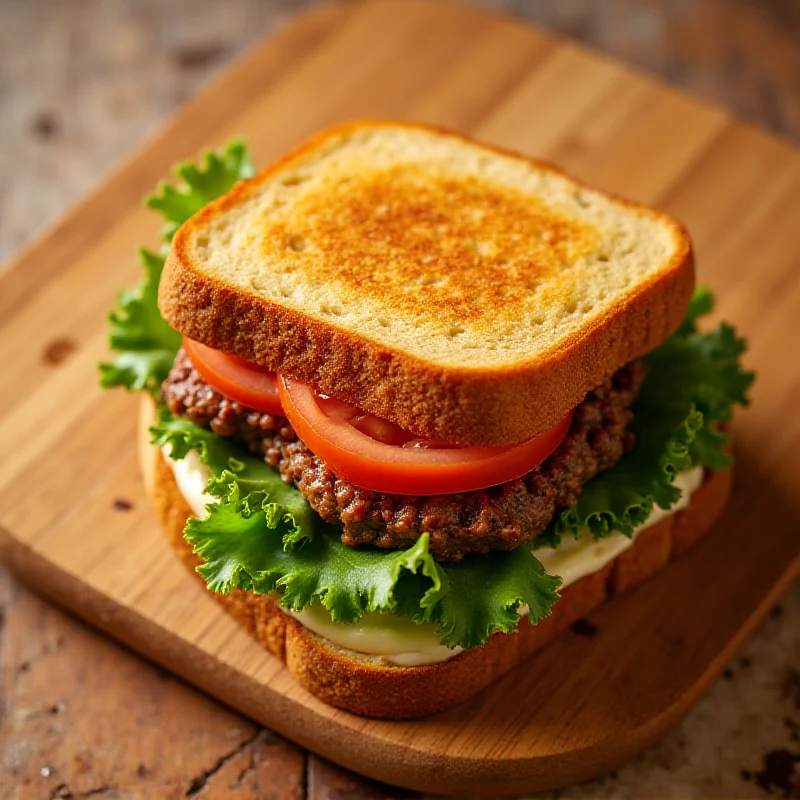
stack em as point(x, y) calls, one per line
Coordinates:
point(456, 254)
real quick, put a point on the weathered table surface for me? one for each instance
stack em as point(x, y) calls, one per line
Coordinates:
point(83, 82)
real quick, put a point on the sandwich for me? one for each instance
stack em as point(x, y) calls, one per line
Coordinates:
point(414, 405)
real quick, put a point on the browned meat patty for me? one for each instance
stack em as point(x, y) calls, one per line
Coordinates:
point(499, 518)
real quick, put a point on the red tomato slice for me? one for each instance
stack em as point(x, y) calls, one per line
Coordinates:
point(249, 384)
point(376, 454)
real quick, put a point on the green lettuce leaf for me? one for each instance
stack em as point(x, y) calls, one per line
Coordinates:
point(233, 468)
point(179, 435)
point(242, 547)
point(702, 303)
point(263, 536)
point(144, 343)
point(484, 593)
point(693, 381)
point(198, 186)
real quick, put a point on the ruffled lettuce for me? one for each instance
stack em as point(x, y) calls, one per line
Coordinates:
point(199, 185)
point(259, 486)
point(693, 382)
point(144, 343)
point(262, 536)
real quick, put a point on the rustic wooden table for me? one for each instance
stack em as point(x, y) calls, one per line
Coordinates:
point(83, 82)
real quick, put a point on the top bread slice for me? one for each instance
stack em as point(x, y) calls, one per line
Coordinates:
point(464, 292)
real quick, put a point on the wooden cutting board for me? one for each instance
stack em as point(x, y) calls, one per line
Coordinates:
point(67, 451)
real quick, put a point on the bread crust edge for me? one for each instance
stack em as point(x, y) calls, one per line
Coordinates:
point(370, 687)
point(486, 407)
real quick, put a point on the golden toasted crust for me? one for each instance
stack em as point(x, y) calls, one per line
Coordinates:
point(370, 687)
point(485, 405)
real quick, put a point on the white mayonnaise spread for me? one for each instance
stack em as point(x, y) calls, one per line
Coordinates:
point(192, 477)
point(397, 639)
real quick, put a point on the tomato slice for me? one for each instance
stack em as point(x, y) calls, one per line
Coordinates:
point(249, 384)
point(375, 454)
point(369, 451)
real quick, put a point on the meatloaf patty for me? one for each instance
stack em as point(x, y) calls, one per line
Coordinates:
point(499, 518)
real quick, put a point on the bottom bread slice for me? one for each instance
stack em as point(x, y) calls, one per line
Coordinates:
point(368, 685)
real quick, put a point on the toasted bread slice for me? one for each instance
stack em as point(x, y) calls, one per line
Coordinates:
point(370, 686)
point(466, 293)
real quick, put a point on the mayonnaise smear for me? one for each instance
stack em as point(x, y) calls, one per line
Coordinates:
point(397, 639)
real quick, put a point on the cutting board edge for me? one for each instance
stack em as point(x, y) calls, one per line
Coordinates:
point(381, 758)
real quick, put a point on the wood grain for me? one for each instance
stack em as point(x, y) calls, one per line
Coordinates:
point(61, 732)
point(105, 72)
point(734, 186)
